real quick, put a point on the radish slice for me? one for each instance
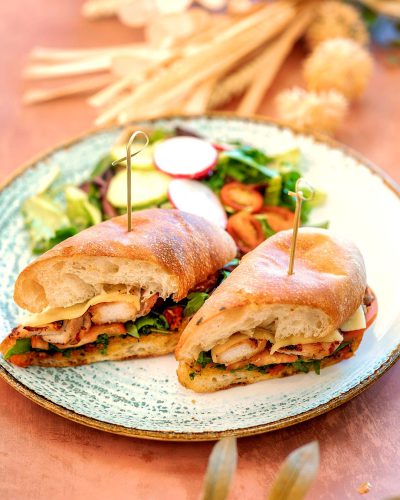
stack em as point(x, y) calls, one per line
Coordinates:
point(185, 156)
point(197, 198)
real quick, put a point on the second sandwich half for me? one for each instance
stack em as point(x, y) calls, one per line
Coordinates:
point(106, 294)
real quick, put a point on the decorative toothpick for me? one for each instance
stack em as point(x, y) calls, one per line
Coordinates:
point(127, 158)
point(298, 193)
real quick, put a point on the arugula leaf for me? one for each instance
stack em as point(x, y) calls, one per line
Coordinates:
point(196, 300)
point(21, 346)
point(145, 325)
point(341, 346)
point(301, 366)
point(204, 358)
point(131, 329)
point(306, 366)
point(102, 340)
point(250, 368)
point(243, 164)
point(317, 366)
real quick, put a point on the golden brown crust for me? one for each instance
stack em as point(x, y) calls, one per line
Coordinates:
point(329, 275)
point(118, 349)
point(186, 246)
point(211, 379)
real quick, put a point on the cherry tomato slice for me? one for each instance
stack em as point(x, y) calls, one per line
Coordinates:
point(279, 218)
point(246, 230)
point(241, 197)
point(372, 312)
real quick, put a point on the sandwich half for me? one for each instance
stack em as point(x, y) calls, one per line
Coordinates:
point(261, 323)
point(110, 294)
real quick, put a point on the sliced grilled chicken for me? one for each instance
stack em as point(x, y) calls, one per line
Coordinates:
point(113, 312)
point(262, 359)
point(237, 348)
point(70, 332)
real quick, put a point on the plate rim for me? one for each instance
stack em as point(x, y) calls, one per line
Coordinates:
point(207, 435)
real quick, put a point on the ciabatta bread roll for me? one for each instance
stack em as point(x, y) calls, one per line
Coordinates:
point(260, 316)
point(99, 282)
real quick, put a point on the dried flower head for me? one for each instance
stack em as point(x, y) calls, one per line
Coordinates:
point(340, 64)
point(336, 20)
point(311, 111)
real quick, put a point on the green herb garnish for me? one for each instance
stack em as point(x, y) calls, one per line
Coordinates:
point(102, 341)
point(131, 329)
point(301, 366)
point(341, 346)
point(145, 325)
point(204, 359)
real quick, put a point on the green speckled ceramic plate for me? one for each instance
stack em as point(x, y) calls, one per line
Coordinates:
point(143, 398)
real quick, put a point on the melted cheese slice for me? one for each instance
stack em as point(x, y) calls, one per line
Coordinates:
point(355, 322)
point(77, 310)
point(260, 333)
point(335, 336)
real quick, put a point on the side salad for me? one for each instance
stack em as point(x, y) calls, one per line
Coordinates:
point(235, 186)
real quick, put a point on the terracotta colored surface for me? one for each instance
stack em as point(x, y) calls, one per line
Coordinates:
point(45, 456)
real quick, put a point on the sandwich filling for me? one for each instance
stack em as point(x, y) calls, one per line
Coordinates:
point(258, 349)
point(128, 314)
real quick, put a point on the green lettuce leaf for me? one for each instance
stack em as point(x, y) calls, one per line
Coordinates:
point(21, 346)
point(196, 300)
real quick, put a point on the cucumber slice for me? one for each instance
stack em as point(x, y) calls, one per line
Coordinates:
point(142, 161)
point(149, 187)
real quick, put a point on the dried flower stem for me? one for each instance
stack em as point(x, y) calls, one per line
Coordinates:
point(48, 54)
point(84, 66)
point(70, 89)
point(215, 58)
point(271, 61)
point(198, 100)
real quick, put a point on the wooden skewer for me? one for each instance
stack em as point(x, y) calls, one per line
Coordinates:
point(270, 63)
point(183, 75)
point(298, 193)
point(128, 158)
point(70, 89)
